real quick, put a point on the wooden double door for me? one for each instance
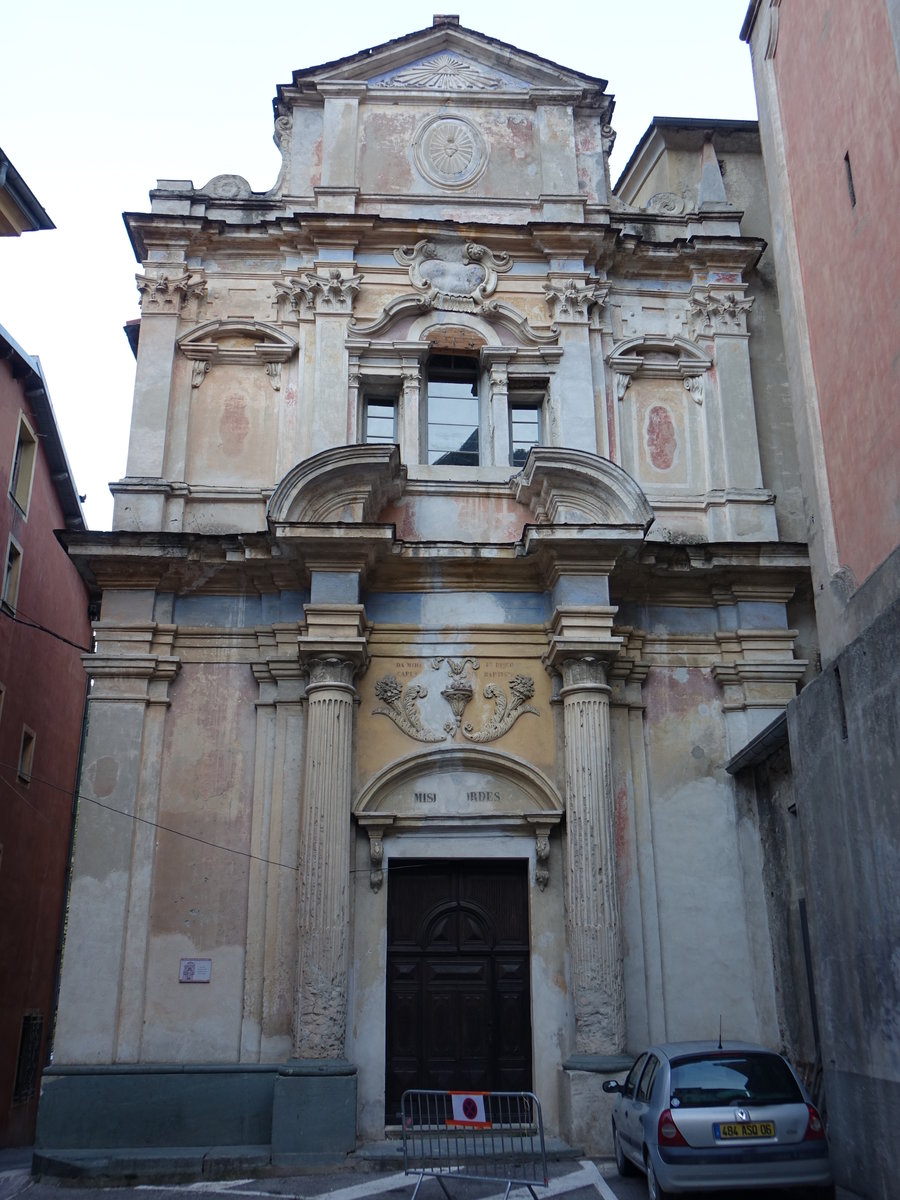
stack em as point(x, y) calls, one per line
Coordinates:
point(458, 994)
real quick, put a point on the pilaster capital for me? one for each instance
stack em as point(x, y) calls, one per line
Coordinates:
point(331, 670)
point(572, 299)
point(169, 293)
point(716, 311)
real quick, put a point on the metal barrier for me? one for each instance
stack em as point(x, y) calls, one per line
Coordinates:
point(494, 1136)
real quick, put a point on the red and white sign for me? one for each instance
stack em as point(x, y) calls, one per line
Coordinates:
point(468, 1109)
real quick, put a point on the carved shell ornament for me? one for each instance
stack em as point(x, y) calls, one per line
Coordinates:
point(444, 73)
point(450, 152)
point(401, 703)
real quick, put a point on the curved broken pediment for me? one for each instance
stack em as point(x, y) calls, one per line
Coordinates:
point(655, 354)
point(237, 341)
point(575, 487)
point(496, 312)
point(349, 484)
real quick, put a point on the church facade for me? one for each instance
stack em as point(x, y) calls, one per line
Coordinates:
point(459, 549)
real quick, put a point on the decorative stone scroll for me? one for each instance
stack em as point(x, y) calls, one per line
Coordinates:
point(169, 293)
point(452, 276)
point(401, 704)
point(521, 689)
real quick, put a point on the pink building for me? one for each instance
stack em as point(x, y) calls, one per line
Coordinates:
point(44, 627)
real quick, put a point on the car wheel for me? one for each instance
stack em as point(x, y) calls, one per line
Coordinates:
point(624, 1165)
point(654, 1191)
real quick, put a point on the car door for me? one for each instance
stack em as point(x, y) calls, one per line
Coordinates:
point(629, 1130)
point(642, 1112)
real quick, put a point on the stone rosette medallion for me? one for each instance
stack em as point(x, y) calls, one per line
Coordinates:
point(450, 152)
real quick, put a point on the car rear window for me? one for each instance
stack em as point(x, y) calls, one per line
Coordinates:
point(707, 1080)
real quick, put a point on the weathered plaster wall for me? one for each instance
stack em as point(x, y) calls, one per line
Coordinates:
point(845, 745)
point(703, 922)
point(199, 901)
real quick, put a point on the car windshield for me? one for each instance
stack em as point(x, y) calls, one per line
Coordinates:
point(715, 1079)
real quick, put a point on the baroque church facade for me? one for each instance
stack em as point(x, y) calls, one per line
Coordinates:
point(459, 549)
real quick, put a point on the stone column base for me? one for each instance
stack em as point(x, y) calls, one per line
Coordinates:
point(313, 1110)
point(585, 1109)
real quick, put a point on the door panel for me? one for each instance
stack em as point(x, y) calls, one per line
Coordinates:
point(458, 996)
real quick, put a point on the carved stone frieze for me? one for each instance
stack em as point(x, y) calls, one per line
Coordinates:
point(573, 299)
point(169, 293)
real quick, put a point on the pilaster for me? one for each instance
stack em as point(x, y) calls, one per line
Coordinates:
point(272, 892)
point(107, 938)
point(571, 300)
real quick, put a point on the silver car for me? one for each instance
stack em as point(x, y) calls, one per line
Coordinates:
point(707, 1115)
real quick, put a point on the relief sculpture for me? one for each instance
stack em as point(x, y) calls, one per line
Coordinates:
point(521, 689)
point(402, 704)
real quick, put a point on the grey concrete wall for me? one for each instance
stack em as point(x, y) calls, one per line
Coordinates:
point(845, 746)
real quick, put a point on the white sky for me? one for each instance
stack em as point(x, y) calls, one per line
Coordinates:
point(100, 98)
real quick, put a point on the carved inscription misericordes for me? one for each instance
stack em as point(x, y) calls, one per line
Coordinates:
point(401, 702)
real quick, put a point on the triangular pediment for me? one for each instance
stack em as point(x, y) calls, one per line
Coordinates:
point(446, 58)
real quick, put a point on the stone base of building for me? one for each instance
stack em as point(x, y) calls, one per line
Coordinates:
point(314, 1109)
point(585, 1109)
point(286, 1112)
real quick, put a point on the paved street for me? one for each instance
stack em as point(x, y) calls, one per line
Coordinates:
point(585, 1180)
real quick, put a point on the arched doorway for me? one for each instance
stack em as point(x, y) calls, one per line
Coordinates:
point(458, 993)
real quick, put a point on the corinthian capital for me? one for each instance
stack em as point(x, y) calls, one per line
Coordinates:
point(331, 670)
point(169, 293)
point(573, 299)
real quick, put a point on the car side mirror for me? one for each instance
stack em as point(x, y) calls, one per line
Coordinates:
point(611, 1085)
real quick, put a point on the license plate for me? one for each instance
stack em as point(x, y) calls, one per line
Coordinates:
point(745, 1129)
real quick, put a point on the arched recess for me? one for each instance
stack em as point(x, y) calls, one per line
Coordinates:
point(575, 487)
point(460, 788)
point(347, 484)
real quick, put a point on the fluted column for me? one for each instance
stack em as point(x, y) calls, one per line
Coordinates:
point(581, 647)
point(592, 903)
point(324, 863)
